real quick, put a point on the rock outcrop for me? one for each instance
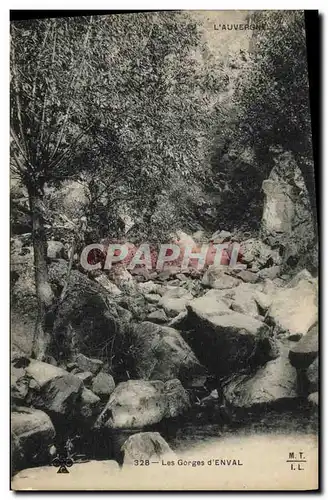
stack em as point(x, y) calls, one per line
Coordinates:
point(306, 350)
point(146, 446)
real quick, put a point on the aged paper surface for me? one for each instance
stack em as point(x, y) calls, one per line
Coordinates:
point(164, 260)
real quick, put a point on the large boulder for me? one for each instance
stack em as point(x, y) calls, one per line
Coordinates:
point(134, 404)
point(295, 309)
point(54, 390)
point(258, 255)
point(215, 277)
point(88, 318)
point(224, 340)
point(174, 300)
point(287, 219)
point(32, 435)
point(244, 299)
point(304, 352)
point(162, 354)
point(146, 446)
point(178, 400)
point(274, 383)
point(86, 377)
point(149, 287)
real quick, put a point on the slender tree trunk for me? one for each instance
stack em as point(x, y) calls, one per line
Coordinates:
point(43, 290)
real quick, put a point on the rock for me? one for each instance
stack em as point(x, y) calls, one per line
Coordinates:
point(306, 350)
point(152, 298)
point(312, 374)
point(87, 364)
point(210, 401)
point(301, 275)
point(226, 341)
point(200, 236)
point(32, 435)
point(43, 372)
point(174, 300)
point(89, 404)
point(19, 384)
point(244, 299)
point(87, 318)
point(134, 404)
point(146, 446)
point(111, 288)
point(168, 273)
point(81, 476)
point(141, 274)
point(71, 366)
point(221, 236)
point(248, 276)
point(158, 316)
point(122, 278)
point(263, 300)
point(148, 287)
point(177, 398)
point(24, 308)
point(55, 250)
point(162, 354)
point(273, 383)
point(270, 272)
point(210, 304)
point(86, 377)
point(278, 211)
point(215, 277)
point(57, 390)
point(103, 385)
point(295, 309)
point(179, 320)
point(314, 399)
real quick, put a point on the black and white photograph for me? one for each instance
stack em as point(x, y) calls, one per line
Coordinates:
point(164, 250)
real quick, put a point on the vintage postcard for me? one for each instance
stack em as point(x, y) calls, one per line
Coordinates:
point(164, 251)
